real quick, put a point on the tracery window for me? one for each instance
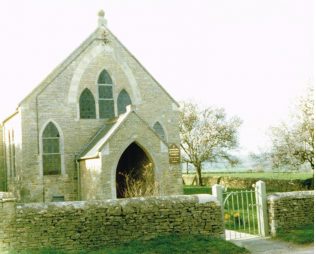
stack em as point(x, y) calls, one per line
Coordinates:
point(159, 130)
point(106, 102)
point(51, 150)
point(122, 101)
point(87, 105)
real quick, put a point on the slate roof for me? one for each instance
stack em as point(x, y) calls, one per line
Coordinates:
point(86, 151)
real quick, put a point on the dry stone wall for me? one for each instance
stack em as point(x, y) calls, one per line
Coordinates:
point(86, 225)
point(290, 209)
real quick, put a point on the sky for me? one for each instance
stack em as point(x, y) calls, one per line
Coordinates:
point(251, 57)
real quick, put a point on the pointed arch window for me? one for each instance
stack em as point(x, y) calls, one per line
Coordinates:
point(51, 150)
point(87, 105)
point(106, 102)
point(123, 100)
point(159, 130)
point(11, 165)
point(13, 154)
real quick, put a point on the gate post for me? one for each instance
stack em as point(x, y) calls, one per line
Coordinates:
point(262, 214)
point(217, 192)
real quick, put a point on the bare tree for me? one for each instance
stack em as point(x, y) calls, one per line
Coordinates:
point(293, 143)
point(207, 135)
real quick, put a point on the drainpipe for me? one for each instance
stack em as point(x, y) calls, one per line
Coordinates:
point(78, 179)
point(43, 188)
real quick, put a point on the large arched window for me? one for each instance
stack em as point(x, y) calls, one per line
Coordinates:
point(122, 101)
point(51, 150)
point(159, 130)
point(87, 105)
point(106, 102)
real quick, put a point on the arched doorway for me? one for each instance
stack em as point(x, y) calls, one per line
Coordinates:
point(134, 173)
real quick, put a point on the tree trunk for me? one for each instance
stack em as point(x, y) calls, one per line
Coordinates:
point(199, 175)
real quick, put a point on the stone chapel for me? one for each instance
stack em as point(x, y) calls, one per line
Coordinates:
point(95, 117)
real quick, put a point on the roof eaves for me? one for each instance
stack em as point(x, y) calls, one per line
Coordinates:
point(10, 116)
point(88, 157)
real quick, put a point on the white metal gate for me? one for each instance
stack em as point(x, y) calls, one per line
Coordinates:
point(244, 211)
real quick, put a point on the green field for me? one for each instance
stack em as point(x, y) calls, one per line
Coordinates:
point(261, 175)
point(190, 190)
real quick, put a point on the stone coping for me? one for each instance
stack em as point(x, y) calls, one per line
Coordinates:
point(139, 201)
point(6, 196)
point(292, 194)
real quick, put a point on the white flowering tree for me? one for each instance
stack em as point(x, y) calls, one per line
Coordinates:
point(293, 142)
point(207, 135)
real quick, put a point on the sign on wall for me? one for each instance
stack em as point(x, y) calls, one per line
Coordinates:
point(174, 154)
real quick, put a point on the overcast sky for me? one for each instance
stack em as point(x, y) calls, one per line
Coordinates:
point(251, 57)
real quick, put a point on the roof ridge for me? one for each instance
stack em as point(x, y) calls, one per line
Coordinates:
point(142, 66)
point(78, 51)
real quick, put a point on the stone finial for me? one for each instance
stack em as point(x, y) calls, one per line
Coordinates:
point(101, 13)
point(102, 21)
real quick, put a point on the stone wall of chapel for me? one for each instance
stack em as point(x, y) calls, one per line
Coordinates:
point(90, 182)
point(52, 104)
point(155, 104)
point(103, 181)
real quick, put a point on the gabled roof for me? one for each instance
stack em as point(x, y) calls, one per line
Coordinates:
point(96, 138)
point(106, 132)
point(76, 53)
point(146, 71)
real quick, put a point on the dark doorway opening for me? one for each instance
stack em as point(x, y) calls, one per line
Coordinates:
point(134, 173)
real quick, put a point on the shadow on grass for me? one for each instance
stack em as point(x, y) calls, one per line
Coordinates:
point(299, 235)
point(175, 244)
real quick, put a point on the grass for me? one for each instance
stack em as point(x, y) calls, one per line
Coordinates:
point(299, 235)
point(176, 244)
point(190, 190)
point(167, 244)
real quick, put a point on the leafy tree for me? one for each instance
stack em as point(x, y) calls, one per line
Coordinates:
point(293, 143)
point(207, 135)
